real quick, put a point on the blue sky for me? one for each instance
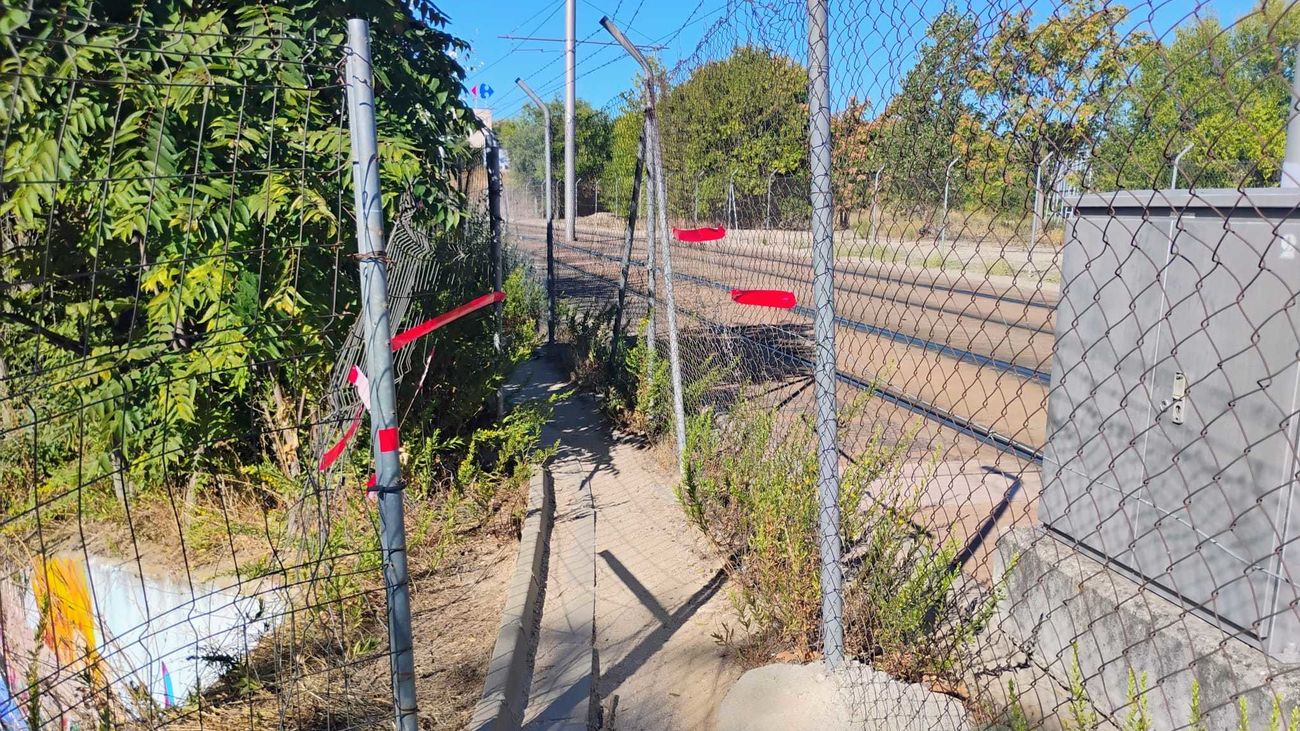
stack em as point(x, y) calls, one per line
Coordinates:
point(862, 63)
point(604, 71)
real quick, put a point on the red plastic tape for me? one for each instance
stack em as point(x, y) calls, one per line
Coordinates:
point(388, 440)
point(778, 298)
point(336, 451)
point(696, 235)
point(451, 315)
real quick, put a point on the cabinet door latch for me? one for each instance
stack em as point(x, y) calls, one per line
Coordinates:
point(1176, 404)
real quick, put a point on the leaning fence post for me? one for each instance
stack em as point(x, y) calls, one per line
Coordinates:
point(824, 369)
point(655, 153)
point(379, 364)
point(626, 261)
point(550, 216)
point(649, 262)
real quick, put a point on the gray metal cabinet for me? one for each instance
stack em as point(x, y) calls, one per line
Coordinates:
point(1172, 415)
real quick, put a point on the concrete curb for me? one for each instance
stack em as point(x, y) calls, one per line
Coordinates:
point(509, 675)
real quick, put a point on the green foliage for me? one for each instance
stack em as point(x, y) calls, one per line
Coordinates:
point(1195, 721)
point(1083, 716)
point(523, 138)
point(1138, 717)
point(917, 134)
point(745, 114)
point(212, 292)
point(498, 454)
point(908, 607)
point(1015, 712)
point(1222, 90)
point(625, 141)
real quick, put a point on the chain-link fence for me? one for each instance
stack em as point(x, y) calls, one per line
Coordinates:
point(1064, 348)
point(194, 531)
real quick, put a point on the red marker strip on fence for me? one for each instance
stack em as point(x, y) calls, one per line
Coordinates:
point(357, 378)
point(778, 298)
point(336, 451)
point(451, 315)
point(696, 235)
point(388, 441)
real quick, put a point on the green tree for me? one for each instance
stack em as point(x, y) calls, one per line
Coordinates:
point(169, 211)
point(523, 140)
point(916, 135)
point(1045, 89)
point(625, 139)
point(1226, 92)
point(746, 114)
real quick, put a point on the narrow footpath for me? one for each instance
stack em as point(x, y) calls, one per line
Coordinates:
point(634, 595)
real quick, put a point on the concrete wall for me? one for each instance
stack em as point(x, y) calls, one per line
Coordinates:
point(1059, 599)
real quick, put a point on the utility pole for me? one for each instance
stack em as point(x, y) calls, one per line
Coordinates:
point(570, 119)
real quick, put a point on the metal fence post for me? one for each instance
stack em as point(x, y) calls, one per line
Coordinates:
point(824, 369)
point(492, 160)
point(655, 153)
point(626, 262)
point(1178, 159)
point(674, 351)
point(731, 200)
point(1036, 225)
point(874, 238)
point(695, 211)
point(943, 223)
point(649, 258)
point(767, 219)
point(550, 214)
point(379, 364)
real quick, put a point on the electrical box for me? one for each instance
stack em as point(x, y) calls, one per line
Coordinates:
point(1172, 413)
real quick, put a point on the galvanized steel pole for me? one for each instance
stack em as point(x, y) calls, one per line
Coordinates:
point(824, 369)
point(875, 207)
point(550, 215)
point(767, 219)
point(649, 259)
point(379, 366)
point(1037, 225)
point(943, 224)
point(1178, 159)
point(570, 121)
point(654, 151)
point(492, 162)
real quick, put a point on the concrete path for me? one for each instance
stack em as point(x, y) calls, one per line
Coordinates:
point(629, 578)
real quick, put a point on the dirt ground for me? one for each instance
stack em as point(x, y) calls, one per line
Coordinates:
point(455, 613)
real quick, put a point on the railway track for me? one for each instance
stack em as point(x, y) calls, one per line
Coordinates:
point(916, 353)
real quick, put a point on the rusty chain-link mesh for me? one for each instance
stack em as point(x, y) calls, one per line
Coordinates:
point(1065, 280)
